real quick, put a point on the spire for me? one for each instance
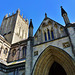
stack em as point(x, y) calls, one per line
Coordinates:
point(65, 16)
point(30, 29)
point(45, 15)
point(30, 25)
point(63, 11)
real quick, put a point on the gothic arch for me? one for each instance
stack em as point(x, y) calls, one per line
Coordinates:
point(50, 55)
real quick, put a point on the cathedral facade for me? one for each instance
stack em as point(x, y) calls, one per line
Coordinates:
point(51, 51)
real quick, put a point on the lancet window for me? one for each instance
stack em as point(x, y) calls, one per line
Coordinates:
point(48, 34)
point(45, 36)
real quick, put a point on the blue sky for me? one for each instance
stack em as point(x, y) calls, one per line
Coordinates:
point(35, 9)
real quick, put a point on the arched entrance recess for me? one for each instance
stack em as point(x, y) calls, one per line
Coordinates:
point(50, 55)
point(57, 69)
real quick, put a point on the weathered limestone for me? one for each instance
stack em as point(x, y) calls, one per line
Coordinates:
point(14, 28)
point(34, 55)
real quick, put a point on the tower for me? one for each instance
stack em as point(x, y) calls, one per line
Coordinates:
point(70, 28)
point(14, 28)
point(29, 51)
point(65, 16)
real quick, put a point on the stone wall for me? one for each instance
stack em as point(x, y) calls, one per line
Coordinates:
point(71, 31)
point(62, 43)
point(20, 30)
point(4, 48)
point(17, 51)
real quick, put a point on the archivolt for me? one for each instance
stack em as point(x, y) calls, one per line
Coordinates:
point(48, 56)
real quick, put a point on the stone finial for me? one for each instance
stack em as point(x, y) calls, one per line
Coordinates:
point(60, 6)
point(30, 21)
point(18, 11)
point(6, 15)
point(45, 15)
point(27, 20)
point(22, 15)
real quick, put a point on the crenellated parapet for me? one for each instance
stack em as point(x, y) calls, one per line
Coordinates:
point(14, 26)
point(17, 12)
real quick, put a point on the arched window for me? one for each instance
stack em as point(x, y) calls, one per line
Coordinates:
point(14, 52)
point(5, 51)
point(24, 51)
point(61, 28)
point(52, 34)
point(49, 23)
point(45, 36)
point(48, 34)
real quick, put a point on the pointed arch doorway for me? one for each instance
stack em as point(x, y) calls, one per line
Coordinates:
point(51, 57)
point(56, 69)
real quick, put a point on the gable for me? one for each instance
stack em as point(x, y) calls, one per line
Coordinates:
point(49, 30)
